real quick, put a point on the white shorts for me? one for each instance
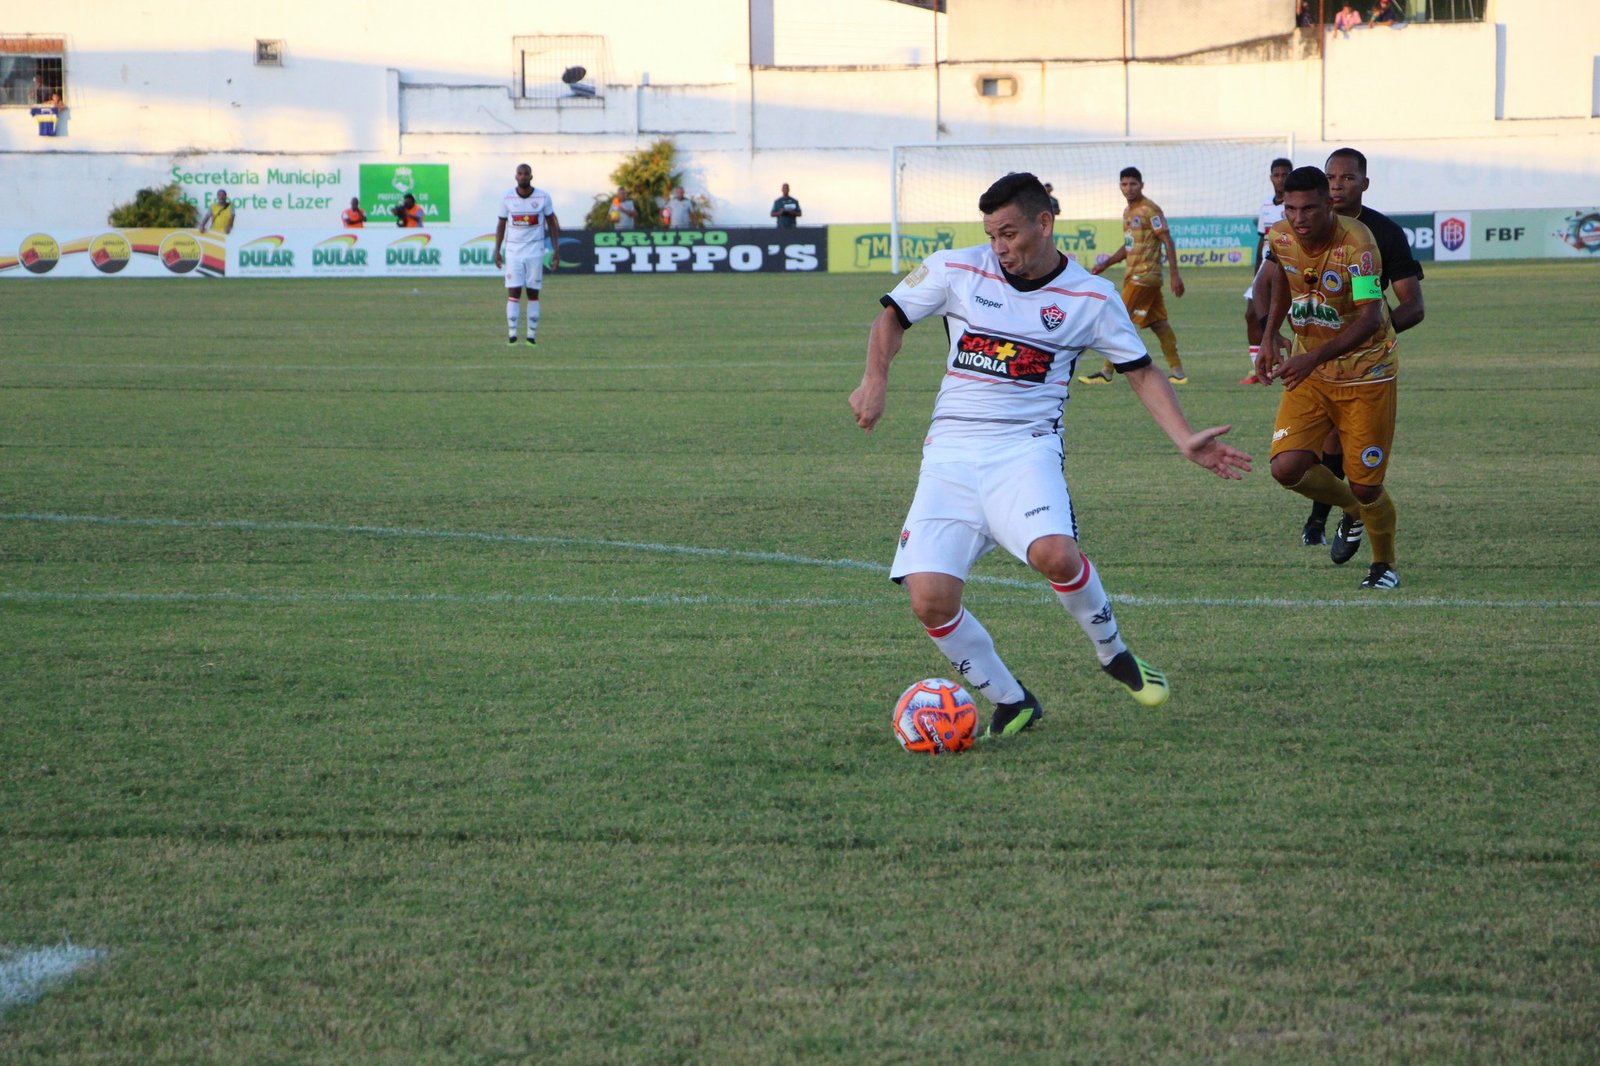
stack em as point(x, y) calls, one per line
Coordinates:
point(963, 509)
point(525, 271)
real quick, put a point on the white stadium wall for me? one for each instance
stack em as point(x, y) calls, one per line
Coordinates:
point(1478, 116)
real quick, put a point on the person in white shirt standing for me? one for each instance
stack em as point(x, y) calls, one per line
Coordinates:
point(1255, 307)
point(1019, 314)
point(527, 226)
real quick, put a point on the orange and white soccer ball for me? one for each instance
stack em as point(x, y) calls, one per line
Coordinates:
point(935, 716)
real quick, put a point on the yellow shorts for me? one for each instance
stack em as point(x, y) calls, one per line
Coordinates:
point(1145, 304)
point(1363, 415)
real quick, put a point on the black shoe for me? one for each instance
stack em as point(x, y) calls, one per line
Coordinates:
point(1346, 540)
point(532, 342)
point(1381, 576)
point(1144, 682)
point(512, 340)
point(1315, 532)
point(1012, 718)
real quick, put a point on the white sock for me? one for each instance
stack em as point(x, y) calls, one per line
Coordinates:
point(970, 649)
point(513, 308)
point(1085, 599)
point(533, 318)
point(1255, 350)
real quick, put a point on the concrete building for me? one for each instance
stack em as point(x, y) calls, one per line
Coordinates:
point(281, 103)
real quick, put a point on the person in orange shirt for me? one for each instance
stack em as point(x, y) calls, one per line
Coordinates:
point(353, 217)
point(407, 215)
point(1145, 242)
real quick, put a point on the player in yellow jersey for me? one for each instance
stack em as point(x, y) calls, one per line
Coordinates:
point(1144, 237)
point(1340, 371)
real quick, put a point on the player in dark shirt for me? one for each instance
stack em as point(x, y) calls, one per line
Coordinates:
point(1347, 182)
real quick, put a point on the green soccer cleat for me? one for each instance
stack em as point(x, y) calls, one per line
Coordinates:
point(1178, 377)
point(1144, 682)
point(1012, 718)
point(1099, 377)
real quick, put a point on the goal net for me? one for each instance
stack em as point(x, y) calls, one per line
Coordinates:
point(1188, 177)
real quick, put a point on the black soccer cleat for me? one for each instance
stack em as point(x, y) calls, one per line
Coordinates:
point(1012, 718)
point(532, 342)
point(1144, 682)
point(512, 340)
point(1346, 539)
point(1381, 576)
point(1315, 533)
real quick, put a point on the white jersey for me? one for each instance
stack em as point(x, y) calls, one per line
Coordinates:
point(1269, 213)
point(1013, 343)
point(525, 215)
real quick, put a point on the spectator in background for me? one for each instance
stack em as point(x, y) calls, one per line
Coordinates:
point(678, 212)
point(1055, 205)
point(1303, 18)
point(1347, 19)
point(407, 215)
point(786, 209)
point(353, 217)
point(1386, 12)
point(48, 114)
point(622, 211)
point(219, 215)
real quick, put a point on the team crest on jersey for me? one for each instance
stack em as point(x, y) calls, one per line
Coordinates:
point(905, 535)
point(1000, 357)
point(1372, 457)
point(1331, 281)
point(1052, 316)
point(1136, 222)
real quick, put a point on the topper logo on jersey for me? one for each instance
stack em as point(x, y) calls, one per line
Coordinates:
point(1052, 317)
point(986, 303)
point(1000, 357)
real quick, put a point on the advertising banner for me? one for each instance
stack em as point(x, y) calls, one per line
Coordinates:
point(1452, 235)
point(1419, 234)
point(136, 253)
point(384, 186)
point(866, 249)
point(721, 251)
point(371, 252)
point(1209, 242)
point(315, 195)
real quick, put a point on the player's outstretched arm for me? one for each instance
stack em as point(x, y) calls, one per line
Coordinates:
point(883, 344)
point(1202, 447)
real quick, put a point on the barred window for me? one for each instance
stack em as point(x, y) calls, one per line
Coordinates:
point(560, 70)
point(32, 69)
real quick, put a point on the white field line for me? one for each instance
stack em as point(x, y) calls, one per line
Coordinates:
point(1365, 602)
point(28, 973)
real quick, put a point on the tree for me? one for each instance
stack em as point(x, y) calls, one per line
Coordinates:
point(649, 177)
point(158, 207)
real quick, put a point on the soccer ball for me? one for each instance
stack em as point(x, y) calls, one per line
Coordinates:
point(935, 716)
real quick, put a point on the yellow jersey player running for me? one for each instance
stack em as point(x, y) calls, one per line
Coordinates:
point(1339, 373)
point(1144, 237)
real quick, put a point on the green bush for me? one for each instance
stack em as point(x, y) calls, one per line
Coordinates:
point(649, 177)
point(157, 207)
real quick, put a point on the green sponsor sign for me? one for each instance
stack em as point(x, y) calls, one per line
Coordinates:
point(867, 249)
point(384, 185)
point(1213, 241)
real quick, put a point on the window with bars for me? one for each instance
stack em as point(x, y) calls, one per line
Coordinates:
point(560, 70)
point(33, 69)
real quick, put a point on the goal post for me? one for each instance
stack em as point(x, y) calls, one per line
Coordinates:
point(1187, 176)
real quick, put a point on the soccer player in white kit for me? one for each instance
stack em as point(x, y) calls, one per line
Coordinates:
point(1256, 304)
point(532, 226)
point(1019, 314)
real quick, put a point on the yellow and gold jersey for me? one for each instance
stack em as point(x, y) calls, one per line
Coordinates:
point(1142, 226)
point(1327, 291)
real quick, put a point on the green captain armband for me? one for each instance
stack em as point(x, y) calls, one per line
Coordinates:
point(1364, 287)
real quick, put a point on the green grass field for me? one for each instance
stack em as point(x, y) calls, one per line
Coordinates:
point(375, 694)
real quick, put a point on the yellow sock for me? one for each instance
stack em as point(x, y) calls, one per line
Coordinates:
point(1169, 347)
point(1379, 518)
point(1319, 484)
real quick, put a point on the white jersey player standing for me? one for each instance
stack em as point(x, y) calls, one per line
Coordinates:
point(1255, 305)
point(527, 226)
point(1019, 314)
